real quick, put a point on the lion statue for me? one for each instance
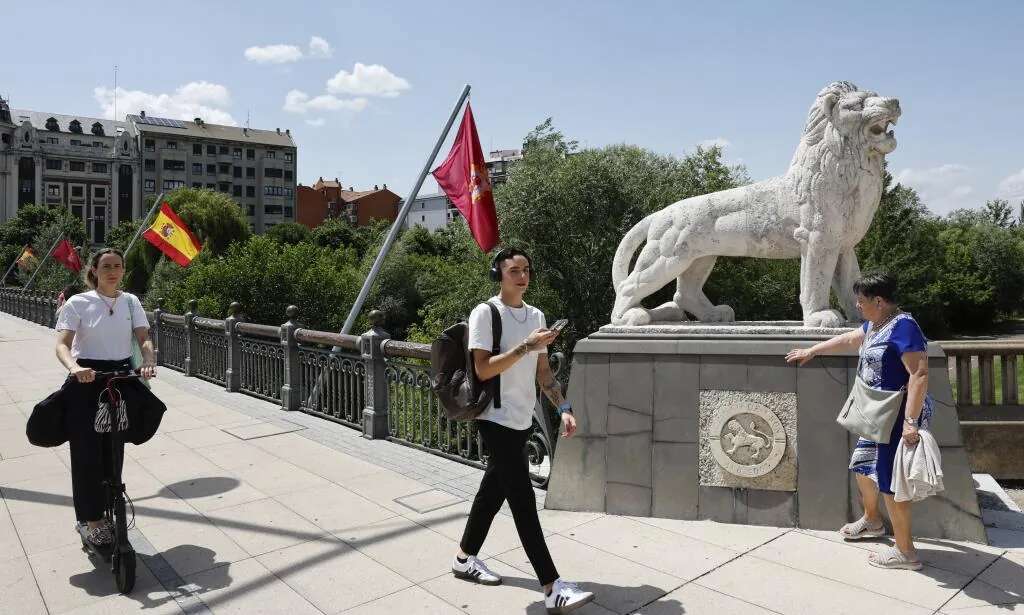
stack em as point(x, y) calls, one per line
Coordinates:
point(818, 211)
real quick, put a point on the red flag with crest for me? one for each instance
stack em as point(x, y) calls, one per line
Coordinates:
point(66, 255)
point(463, 177)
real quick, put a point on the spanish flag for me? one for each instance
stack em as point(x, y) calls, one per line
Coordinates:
point(27, 259)
point(172, 237)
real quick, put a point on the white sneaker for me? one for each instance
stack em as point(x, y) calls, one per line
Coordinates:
point(474, 570)
point(566, 597)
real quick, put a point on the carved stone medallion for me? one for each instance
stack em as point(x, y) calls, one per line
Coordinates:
point(747, 440)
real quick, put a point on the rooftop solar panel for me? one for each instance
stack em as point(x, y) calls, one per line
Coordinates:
point(158, 121)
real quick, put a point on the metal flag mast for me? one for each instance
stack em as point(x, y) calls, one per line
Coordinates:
point(3, 282)
point(396, 226)
point(142, 223)
point(43, 262)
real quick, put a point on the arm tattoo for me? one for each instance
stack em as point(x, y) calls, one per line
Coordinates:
point(553, 391)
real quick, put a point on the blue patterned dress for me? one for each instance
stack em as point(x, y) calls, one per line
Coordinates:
point(882, 368)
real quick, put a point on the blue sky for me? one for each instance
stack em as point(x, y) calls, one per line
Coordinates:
point(365, 86)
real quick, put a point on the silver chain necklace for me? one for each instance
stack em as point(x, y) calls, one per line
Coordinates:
point(511, 312)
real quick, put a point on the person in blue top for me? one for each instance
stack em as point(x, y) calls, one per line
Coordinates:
point(893, 355)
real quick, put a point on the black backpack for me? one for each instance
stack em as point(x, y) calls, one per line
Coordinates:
point(453, 377)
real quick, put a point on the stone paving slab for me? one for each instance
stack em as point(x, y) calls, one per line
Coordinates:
point(309, 517)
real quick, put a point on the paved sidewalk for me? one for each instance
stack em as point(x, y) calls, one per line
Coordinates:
point(241, 508)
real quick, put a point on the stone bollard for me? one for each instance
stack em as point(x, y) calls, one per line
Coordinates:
point(291, 390)
point(375, 412)
point(232, 380)
point(191, 340)
point(155, 333)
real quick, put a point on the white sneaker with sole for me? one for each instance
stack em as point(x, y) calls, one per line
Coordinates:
point(566, 597)
point(474, 570)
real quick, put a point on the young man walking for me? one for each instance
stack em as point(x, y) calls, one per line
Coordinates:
point(522, 361)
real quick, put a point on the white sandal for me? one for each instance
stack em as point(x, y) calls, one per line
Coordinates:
point(859, 529)
point(893, 559)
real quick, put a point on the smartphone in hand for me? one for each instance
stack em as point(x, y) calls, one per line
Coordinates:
point(559, 325)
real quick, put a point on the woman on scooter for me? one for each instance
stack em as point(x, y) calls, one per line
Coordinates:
point(95, 331)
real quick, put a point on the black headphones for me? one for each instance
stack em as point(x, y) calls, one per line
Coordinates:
point(505, 254)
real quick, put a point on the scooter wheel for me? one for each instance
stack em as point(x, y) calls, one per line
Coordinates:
point(124, 571)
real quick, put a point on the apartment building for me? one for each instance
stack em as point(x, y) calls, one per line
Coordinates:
point(86, 164)
point(329, 199)
point(256, 168)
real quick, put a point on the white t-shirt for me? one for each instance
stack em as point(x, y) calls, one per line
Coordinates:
point(518, 383)
point(98, 334)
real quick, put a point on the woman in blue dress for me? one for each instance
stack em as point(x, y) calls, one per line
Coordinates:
point(894, 354)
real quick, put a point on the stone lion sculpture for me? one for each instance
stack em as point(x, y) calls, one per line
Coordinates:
point(818, 211)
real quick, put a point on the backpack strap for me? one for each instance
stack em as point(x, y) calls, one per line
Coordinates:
point(496, 348)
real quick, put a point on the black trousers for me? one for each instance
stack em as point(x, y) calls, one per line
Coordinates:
point(508, 478)
point(92, 457)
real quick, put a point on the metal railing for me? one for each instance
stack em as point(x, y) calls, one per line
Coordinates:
point(987, 378)
point(372, 383)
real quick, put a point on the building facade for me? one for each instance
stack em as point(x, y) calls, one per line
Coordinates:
point(329, 199)
point(256, 168)
point(89, 165)
point(432, 212)
point(499, 162)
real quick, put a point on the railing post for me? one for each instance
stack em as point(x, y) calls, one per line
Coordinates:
point(232, 380)
point(155, 333)
point(191, 341)
point(37, 308)
point(51, 313)
point(290, 393)
point(375, 412)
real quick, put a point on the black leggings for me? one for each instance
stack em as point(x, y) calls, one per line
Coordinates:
point(91, 457)
point(508, 477)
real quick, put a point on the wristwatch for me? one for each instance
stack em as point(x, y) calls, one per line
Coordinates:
point(563, 407)
point(911, 421)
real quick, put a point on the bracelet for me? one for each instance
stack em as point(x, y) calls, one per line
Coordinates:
point(564, 407)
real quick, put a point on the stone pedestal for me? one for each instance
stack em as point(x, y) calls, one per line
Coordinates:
point(710, 422)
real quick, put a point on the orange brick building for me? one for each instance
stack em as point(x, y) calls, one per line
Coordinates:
point(329, 199)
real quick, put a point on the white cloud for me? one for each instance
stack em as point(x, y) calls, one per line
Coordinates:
point(297, 101)
point(318, 122)
point(942, 188)
point(196, 99)
point(319, 48)
point(1012, 187)
point(367, 80)
point(273, 54)
point(720, 142)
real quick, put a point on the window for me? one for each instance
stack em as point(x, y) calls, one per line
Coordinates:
point(52, 189)
point(75, 126)
point(77, 191)
point(287, 156)
point(51, 124)
point(99, 193)
point(270, 154)
point(150, 145)
point(172, 145)
point(277, 191)
point(273, 210)
point(236, 153)
point(287, 191)
point(76, 143)
point(224, 187)
point(149, 164)
point(211, 150)
point(171, 184)
point(211, 186)
point(237, 172)
point(174, 165)
point(288, 212)
point(224, 168)
point(76, 166)
point(50, 140)
point(211, 169)
point(97, 129)
point(250, 191)
point(287, 174)
point(252, 212)
point(54, 165)
point(197, 168)
point(250, 154)
point(250, 172)
point(236, 191)
point(197, 185)
point(223, 150)
point(150, 185)
point(97, 144)
point(268, 172)
point(99, 167)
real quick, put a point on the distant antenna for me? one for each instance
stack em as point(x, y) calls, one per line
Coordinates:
point(247, 113)
point(115, 92)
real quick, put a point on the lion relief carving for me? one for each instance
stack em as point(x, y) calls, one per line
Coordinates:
point(818, 211)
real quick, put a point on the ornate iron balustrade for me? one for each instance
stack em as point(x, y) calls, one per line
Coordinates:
point(367, 381)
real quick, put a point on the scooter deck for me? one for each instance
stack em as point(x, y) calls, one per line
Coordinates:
point(105, 551)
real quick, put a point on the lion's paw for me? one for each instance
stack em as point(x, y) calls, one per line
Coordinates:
point(635, 317)
point(801, 234)
point(724, 313)
point(825, 319)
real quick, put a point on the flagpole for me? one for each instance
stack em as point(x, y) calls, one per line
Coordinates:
point(142, 223)
point(397, 225)
point(3, 282)
point(392, 233)
point(43, 262)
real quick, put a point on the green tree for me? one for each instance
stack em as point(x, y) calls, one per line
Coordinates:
point(288, 233)
point(334, 233)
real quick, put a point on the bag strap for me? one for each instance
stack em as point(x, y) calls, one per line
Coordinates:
point(496, 348)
